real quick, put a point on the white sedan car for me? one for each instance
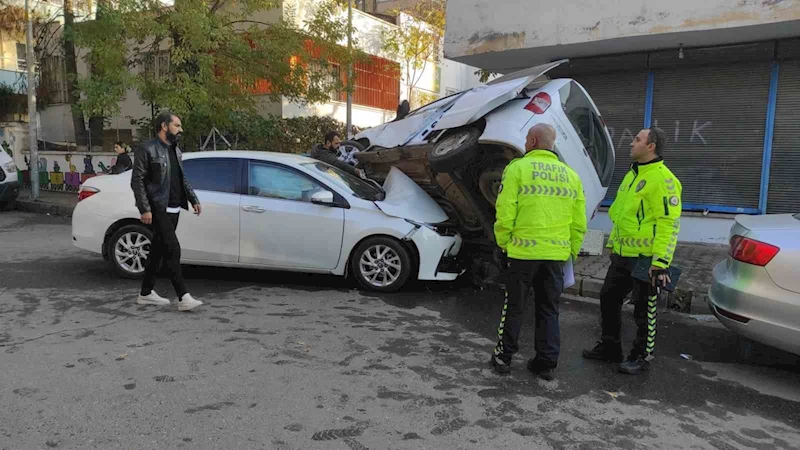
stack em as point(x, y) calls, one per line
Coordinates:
point(280, 212)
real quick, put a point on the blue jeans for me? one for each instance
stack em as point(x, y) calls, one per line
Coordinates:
point(546, 278)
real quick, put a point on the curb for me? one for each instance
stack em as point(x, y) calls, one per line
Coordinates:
point(45, 208)
point(585, 287)
point(588, 287)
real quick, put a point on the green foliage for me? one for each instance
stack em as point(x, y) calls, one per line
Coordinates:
point(484, 74)
point(277, 134)
point(416, 42)
point(216, 55)
point(12, 104)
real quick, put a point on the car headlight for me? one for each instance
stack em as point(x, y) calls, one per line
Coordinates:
point(11, 167)
point(423, 224)
point(441, 231)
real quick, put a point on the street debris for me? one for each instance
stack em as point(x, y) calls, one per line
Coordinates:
point(686, 357)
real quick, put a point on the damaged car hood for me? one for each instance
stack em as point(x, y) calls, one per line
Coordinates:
point(406, 200)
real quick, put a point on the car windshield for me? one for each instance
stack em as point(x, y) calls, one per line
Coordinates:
point(352, 184)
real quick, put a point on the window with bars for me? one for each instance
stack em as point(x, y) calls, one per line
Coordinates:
point(377, 84)
point(22, 58)
point(156, 65)
point(54, 80)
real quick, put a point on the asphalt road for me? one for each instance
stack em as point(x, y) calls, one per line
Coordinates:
point(292, 361)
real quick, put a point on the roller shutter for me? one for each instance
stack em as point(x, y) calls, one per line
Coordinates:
point(714, 117)
point(784, 178)
point(618, 86)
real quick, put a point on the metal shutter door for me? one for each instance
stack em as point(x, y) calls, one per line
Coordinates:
point(714, 117)
point(784, 175)
point(620, 96)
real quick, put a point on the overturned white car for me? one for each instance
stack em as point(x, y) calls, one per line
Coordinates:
point(457, 147)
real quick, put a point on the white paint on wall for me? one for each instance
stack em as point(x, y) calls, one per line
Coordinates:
point(475, 26)
point(708, 230)
point(363, 117)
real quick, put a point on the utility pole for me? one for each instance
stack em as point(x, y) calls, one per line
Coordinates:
point(349, 128)
point(32, 142)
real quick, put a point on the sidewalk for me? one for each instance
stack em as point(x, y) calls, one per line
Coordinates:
point(49, 202)
point(696, 262)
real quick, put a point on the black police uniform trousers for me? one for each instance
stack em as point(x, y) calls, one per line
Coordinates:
point(165, 246)
point(547, 280)
point(617, 285)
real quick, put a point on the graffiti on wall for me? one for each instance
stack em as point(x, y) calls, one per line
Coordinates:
point(58, 172)
point(678, 133)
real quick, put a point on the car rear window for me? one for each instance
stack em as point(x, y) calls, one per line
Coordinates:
point(586, 121)
point(212, 174)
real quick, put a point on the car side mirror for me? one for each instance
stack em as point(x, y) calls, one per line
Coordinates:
point(322, 198)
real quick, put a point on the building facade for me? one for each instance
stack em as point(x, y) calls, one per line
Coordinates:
point(721, 77)
point(377, 91)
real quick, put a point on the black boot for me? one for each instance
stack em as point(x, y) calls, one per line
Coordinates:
point(605, 351)
point(542, 371)
point(634, 365)
point(500, 366)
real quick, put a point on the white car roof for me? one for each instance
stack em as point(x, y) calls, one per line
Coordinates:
point(286, 158)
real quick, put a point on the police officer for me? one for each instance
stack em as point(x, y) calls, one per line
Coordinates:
point(541, 222)
point(646, 216)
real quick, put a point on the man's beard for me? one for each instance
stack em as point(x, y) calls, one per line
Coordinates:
point(173, 138)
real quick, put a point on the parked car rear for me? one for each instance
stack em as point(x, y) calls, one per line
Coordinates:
point(755, 292)
point(9, 183)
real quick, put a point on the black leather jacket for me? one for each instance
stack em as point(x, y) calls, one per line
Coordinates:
point(150, 178)
point(321, 153)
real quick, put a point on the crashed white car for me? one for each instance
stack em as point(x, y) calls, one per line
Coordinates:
point(281, 212)
point(457, 147)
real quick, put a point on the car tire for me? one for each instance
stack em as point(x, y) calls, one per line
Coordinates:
point(455, 150)
point(489, 183)
point(355, 144)
point(135, 235)
point(384, 254)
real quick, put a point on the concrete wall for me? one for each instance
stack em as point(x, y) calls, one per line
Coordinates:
point(63, 171)
point(363, 117)
point(694, 228)
point(475, 27)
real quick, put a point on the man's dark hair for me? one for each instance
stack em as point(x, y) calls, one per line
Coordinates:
point(330, 135)
point(165, 118)
point(659, 137)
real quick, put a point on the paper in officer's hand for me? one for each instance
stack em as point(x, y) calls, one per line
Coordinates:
point(569, 274)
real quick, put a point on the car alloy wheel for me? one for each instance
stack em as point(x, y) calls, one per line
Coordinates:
point(131, 251)
point(489, 183)
point(380, 266)
point(451, 143)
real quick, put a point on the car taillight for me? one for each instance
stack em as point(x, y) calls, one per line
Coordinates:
point(86, 192)
point(751, 251)
point(539, 103)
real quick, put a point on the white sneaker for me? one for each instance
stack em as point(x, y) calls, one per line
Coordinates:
point(188, 303)
point(152, 299)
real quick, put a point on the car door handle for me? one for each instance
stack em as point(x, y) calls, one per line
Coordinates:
point(253, 209)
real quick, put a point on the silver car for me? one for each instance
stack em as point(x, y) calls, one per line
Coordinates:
point(755, 292)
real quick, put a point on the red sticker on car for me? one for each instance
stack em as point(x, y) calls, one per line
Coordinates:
point(539, 103)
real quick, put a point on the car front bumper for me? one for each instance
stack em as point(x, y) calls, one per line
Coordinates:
point(744, 308)
point(437, 254)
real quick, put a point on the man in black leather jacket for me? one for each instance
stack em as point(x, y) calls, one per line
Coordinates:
point(161, 190)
